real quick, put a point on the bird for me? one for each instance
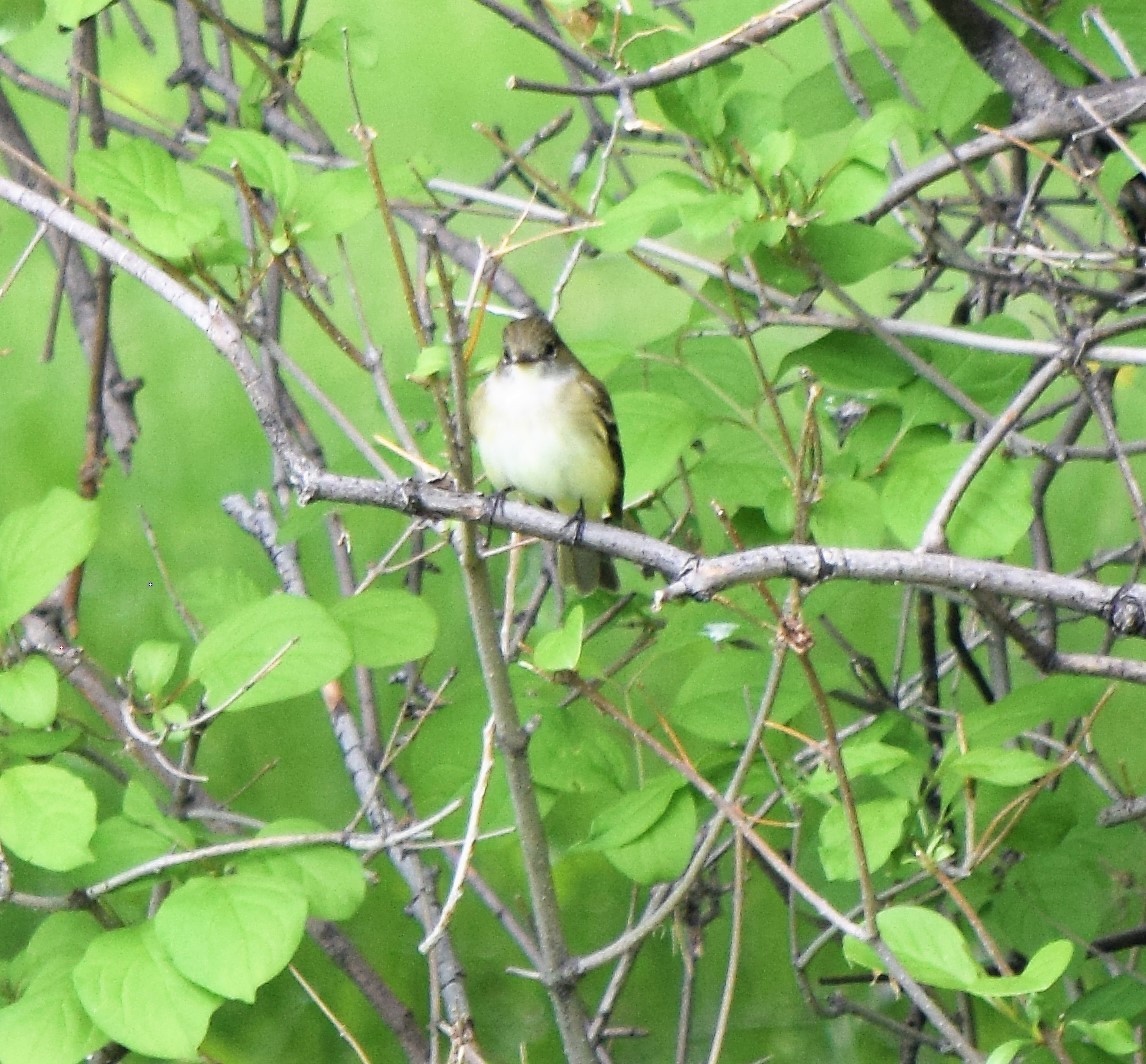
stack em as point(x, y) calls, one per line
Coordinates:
point(544, 425)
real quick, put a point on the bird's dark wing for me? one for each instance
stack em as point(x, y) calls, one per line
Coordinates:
point(604, 407)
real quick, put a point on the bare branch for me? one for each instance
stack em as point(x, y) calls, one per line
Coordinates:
point(756, 30)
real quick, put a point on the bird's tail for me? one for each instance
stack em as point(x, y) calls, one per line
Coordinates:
point(585, 569)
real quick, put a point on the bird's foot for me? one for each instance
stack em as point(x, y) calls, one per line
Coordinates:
point(494, 503)
point(577, 524)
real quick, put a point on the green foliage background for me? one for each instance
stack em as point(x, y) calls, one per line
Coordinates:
point(439, 68)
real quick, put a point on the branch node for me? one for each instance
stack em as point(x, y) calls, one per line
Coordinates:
point(1126, 613)
point(689, 569)
point(408, 498)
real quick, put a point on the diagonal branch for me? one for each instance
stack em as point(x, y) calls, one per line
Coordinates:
point(689, 576)
point(756, 30)
point(1121, 102)
point(1003, 57)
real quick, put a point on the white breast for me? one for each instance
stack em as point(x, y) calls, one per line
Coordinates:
point(532, 438)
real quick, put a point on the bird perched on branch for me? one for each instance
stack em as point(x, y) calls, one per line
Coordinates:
point(544, 426)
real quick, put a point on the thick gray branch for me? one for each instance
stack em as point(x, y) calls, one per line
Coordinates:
point(1120, 102)
point(688, 575)
point(1002, 56)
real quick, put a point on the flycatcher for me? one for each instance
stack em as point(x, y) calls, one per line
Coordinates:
point(544, 425)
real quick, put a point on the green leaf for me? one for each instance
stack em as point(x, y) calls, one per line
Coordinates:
point(981, 375)
point(1043, 970)
point(175, 716)
point(861, 954)
point(849, 251)
point(561, 648)
point(16, 18)
point(720, 696)
point(141, 834)
point(119, 844)
point(153, 664)
point(253, 95)
point(648, 836)
point(992, 516)
point(774, 151)
point(129, 987)
point(230, 935)
point(70, 13)
point(330, 878)
point(57, 944)
point(928, 946)
point(228, 659)
point(221, 249)
point(781, 270)
point(140, 807)
point(39, 545)
point(694, 104)
point(948, 84)
point(1051, 699)
point(41, 744)
point(336, 34)
point(817, 104)
point(568, 757)
point(1007, 1051)
point(29, 693)
point(633, 814)
point(47, 816)
point(860, 759)
point(855, 188)
point(719, 212)
point(881, 823)
point(47, 1024)
point(213, 595)
point(1117, 168)
point(870, 443)
point(762, 233)
point(662, 853)
point(1007, 768)
point(1111, 1036)
point(732, 486)
point(387, 627)
point(600, 357)
point(1061, 883)
point(853, 362)
point(331, 202)
point(141, 181)
point(847, 515)
point(1124, 17)
point(1119, 999)
point(872, 141)
point(656, 430)
point(431, 362)
point(653, 209)
point(264, 162)
point(749, 117)
point(737, 469)
point(300, 521)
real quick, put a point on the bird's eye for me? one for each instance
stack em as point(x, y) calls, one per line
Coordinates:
point(549, 350)
point(505, 357)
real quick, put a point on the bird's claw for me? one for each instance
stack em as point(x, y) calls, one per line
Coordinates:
point(577, 524)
